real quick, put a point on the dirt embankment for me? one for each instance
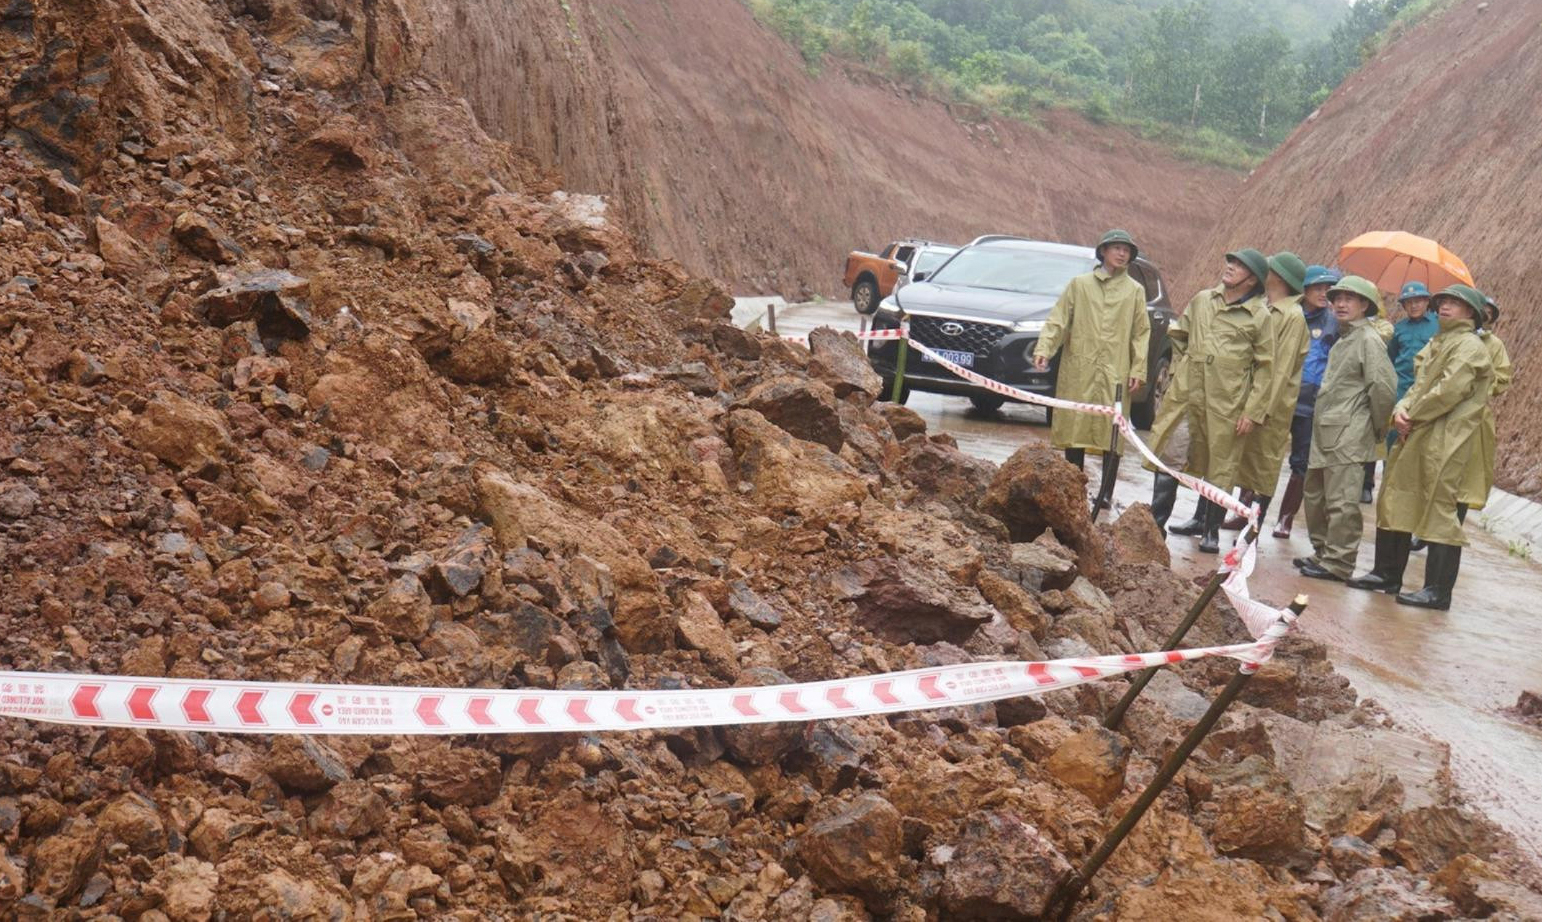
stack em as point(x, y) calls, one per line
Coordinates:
point(721, 150)
point(306, 378)
point(1438, 136)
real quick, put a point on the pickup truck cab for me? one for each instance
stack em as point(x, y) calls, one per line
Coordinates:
point(984, 309)
point(871, 277)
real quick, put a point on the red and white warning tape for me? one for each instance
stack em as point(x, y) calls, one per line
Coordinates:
point(304, 708)
point(299, 708)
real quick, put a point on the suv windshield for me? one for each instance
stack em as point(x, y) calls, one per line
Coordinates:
point(1013, 269)
point(929, 260)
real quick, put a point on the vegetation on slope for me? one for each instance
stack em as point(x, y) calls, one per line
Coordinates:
point(1222, 80)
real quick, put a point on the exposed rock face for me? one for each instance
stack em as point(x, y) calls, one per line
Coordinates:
point(804, 408)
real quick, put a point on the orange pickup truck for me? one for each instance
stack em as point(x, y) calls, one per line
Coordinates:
point(872, 276)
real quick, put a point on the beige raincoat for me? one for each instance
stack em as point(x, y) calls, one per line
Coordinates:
point(1101, 329)
point(1229, 358)
point(1479, 476)
point(1426, 470)
point(1268, 444)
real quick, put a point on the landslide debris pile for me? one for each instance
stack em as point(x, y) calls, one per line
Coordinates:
point(305, 378)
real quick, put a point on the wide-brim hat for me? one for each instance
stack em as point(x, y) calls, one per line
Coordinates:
point(1468, 295)
point(1365, 288)
point(1117, 236)
point(1289, 267)
point(1256, 262)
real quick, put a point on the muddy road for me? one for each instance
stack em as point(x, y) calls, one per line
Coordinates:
point(1448, 675)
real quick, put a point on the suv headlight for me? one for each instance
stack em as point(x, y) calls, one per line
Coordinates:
point(1028, 326)
point(888, 307)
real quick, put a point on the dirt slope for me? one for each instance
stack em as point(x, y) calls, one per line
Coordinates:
point(1437, 135)
point(721, 151)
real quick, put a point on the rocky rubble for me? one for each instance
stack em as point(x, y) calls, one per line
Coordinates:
point(305, 378)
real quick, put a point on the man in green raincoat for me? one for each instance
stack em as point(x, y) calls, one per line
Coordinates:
point(1266, 448)
point(1438, 422)
point(1478, 479)
point(1227, 340)
point(1351, 419)
point(1101, 329)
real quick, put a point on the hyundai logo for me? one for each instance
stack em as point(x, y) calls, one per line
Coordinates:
point(952, 328)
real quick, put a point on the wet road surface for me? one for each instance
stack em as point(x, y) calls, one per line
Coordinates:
point(1448, 675)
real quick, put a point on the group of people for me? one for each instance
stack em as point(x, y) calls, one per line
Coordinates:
point(1282, 360)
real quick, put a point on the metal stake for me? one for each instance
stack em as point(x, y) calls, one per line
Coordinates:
point(1073, 888)
point(771, 317)
point(1138, 684)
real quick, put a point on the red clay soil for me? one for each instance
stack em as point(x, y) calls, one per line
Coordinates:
point(1437, 135)
point(721, 151)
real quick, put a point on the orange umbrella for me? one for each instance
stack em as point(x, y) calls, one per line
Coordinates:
point(1393, 258)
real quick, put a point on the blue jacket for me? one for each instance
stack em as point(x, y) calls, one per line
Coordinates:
point(1408, 337)
point(1324, 328)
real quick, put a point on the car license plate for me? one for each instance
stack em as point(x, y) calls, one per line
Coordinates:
point(965, 359)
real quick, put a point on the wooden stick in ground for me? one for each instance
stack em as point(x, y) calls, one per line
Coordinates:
point(1138, 684)
point(1072, 891)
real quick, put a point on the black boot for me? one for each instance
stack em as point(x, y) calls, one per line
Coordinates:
point(1077, 456)
point(1108, 478)
point(1211, 542)
point(1164, 492)
point(1368, 487)
point(1263, 509)
point(1235, 522)
point(1194, 527)
point(1391, 559)
point(1439, 578)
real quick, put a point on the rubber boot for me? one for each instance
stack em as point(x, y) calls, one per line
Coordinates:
point(1391, 559)
point(1290, 504)
point(1164, 493)
point(1194, 527)
point(1077, 456)
point(1368, 488)
point(1210, 543)
point(1235, 522)
point(1439, 578)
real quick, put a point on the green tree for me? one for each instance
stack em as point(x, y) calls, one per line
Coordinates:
point(1174, 61)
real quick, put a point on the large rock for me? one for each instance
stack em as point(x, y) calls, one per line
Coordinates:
point(1481, 890)
point(274, 298)
point(404, 610)
point(351, 810)
point(1093, 762)
point(203, 237)
point(1258, 823)
point(803, 407)
point(124, 256)
point(1135, 538)
point(702, 298)
point(304, 764)
point(1038, 490)
point(701, 629)
point(133, 820)
point(857, 850)
point(1428, 838)
point(1386, 894)
point(188, 888)
point(839, 362)
point(906, 603)
point(944, 473)
point(522, 513)
point(786, 474)
point(182, 433)
point(1002, 868)
point(66, 859)
point(763, 744)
